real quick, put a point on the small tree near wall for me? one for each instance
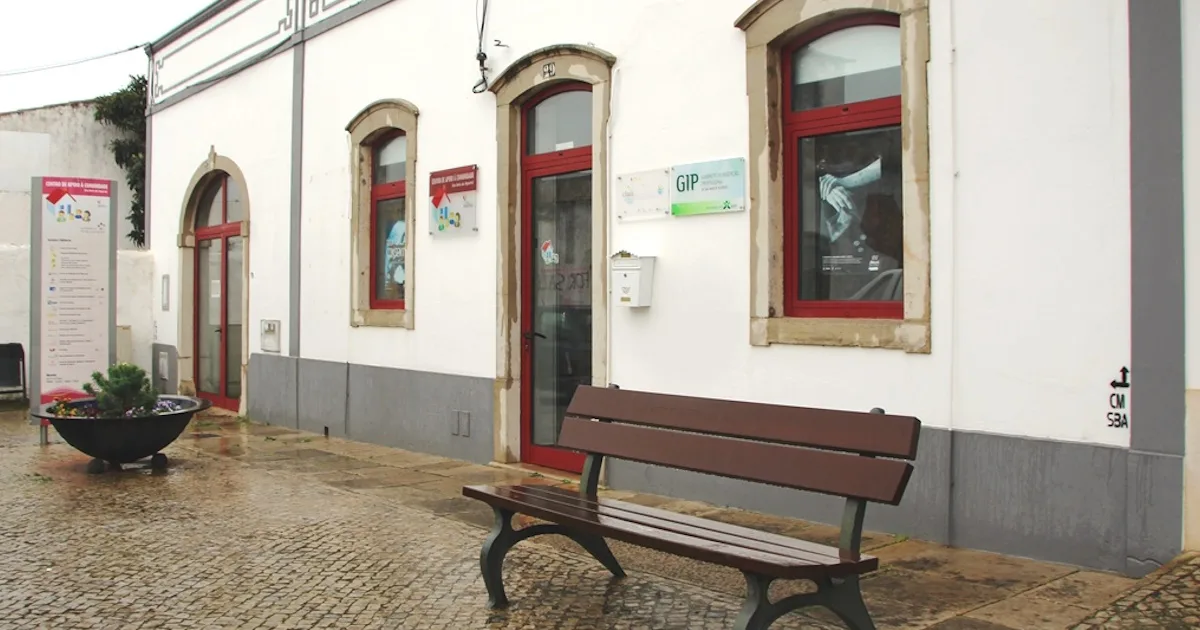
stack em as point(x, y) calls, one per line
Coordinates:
point(125, 109)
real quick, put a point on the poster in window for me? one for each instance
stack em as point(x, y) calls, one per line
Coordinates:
point(397, 238)
point(852, 247)
point(390, 241)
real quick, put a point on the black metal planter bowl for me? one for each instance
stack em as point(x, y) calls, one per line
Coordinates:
point(124, 440)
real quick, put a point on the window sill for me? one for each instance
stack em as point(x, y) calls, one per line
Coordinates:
point(382, 318)
point(891, 334)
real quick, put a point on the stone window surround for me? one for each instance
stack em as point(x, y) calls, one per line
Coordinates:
point(213, 166)
point(522, 80)
point(365, 129)
point(769, 26)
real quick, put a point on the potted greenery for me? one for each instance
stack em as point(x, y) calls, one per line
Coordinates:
point(122, 420)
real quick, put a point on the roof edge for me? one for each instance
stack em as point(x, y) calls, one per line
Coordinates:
point(205, 14)
point(76, 103)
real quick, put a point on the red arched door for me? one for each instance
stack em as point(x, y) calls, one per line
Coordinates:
point(556, 266)
point(220, 259)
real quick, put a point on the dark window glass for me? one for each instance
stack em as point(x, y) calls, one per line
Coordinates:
point(851, 221)
point(209, 211)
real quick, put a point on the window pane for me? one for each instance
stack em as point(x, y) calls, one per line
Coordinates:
point(233, 316)
point(235, 203)
point(561, 122)
point(209, 211)
point(390, 160)
point(847, 66)
point(391, 238)
point(851, 220)
point(208, 315)
point(561, 282)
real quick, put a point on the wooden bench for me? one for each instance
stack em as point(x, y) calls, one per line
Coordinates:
point(857, 456)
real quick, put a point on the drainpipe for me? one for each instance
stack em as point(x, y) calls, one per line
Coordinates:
point(953, 240)
point(610, 177)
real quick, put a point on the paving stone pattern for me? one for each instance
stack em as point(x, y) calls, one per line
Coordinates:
point(216, 544)
point(258, 527)
point(1171, 602)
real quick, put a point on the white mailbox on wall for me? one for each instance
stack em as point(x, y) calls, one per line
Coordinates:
point(632, 279)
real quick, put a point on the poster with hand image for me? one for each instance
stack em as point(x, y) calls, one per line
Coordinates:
point(852, 246)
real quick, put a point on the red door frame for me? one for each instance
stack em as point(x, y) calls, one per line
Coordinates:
point(222, 234)
point(533, 167)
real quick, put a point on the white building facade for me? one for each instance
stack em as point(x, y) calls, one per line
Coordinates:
point(968, 212)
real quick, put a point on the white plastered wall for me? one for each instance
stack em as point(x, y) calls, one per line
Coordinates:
point(247, 120)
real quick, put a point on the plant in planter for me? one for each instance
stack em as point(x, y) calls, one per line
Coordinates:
point(123, 420)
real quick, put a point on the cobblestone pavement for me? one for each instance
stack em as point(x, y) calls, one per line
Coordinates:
point(1170, 600)
point(265, 527)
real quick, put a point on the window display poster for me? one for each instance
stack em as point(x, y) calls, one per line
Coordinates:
point(708, 187)
point(72, 289)
point(452, 201)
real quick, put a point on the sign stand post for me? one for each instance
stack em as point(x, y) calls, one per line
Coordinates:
point(72, 281)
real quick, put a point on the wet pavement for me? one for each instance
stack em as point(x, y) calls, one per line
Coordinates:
point(1169, 599)
point(264, 527)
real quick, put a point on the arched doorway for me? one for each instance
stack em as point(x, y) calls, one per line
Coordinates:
point(219, 267)
point(556, 265)
point(552, 109)
point(214, 254)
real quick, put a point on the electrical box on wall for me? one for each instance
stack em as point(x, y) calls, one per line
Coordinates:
point(632, 279)
point(270, 335)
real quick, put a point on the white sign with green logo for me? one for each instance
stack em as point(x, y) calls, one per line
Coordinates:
point(708, 187)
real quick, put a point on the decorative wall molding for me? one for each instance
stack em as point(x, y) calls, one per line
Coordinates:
point(276, 27)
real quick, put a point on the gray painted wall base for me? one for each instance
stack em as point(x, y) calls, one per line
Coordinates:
point(1055, 501)
point(442, 414)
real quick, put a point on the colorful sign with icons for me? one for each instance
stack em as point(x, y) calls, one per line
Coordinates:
point(74, 262)
point(452, 201)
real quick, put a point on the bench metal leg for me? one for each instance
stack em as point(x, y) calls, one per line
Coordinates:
point(843, 598)
point(491, 558)
point(757, 610)
point(503, 537)
point(846, 601)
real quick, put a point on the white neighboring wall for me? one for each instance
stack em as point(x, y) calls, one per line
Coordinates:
point(63, 140)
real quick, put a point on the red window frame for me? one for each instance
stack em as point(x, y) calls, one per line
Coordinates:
point(882, 112)
point(384, 192)
point(533, 167)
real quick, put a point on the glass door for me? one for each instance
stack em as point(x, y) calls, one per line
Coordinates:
point(220, 261)
point(556, 268)
point(558, 334)
point(209, 318)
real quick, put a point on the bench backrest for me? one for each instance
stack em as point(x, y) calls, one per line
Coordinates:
point(841, 453)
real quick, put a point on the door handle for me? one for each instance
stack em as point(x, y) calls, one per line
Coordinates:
point(531, 334)
point(217, 329)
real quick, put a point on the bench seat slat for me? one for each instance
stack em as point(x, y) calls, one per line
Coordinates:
point(518, 499)
point(724, 533)
point(868, 433)
point(828, 472)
